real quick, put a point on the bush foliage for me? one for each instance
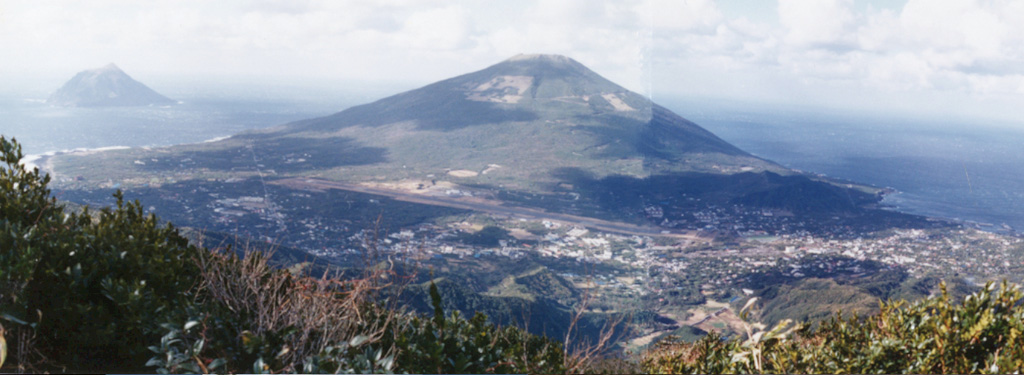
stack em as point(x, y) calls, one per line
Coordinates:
point(91, 281)
point(983, 334)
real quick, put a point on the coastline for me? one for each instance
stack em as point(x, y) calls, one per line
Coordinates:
point(898, 201)
point(44, 161)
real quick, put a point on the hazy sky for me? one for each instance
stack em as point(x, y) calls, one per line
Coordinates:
point(957, 57)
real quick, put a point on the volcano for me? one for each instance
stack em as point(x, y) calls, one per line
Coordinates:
point(108, 86)
point(519, 123)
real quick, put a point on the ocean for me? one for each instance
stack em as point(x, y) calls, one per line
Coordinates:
point(965, 170)
point(41, 128)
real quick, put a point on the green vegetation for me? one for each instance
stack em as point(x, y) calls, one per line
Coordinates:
point(114, 291)
point(821, 293)
point(259, 319)
point(813, 300)
point(489, 236)
point(983, 334)
point(83, 287)
point(529, 309)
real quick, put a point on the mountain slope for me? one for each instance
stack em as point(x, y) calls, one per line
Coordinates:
point(528, 90)
point(105, 87)
point(532, 124)
point(514, 124)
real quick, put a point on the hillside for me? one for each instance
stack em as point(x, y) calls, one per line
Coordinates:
point(514, 123)
point(107, 86)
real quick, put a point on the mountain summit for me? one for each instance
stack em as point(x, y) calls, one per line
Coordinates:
point(530, 115)
point(108, 86)
point(529, 123)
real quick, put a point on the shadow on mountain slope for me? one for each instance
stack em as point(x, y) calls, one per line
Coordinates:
point(765, 189)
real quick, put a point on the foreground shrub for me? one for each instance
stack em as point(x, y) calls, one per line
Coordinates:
point(27, 214)
point(249, 317)
point(452, 344)
point(83, 288)
point(983, 334)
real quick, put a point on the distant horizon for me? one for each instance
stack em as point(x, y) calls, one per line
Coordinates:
point(946, 58)
point(349, 92)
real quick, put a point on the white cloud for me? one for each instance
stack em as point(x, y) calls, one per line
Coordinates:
point(836, 52)
point(443, 28)
point(952, 25)
point(316, 38)
point(958, 45)
point(817, 50)
point(701, 16)
point(817, 23)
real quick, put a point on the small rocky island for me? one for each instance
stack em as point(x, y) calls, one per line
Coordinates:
point(108, 86)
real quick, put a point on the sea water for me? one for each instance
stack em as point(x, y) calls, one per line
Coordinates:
point(968, 170)
point(41, 128)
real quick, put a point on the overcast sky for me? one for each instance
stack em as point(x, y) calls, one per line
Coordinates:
point(957, 57)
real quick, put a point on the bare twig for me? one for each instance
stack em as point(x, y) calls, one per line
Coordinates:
point(579, 356)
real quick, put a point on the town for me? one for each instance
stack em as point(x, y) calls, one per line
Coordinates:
point(725, 244)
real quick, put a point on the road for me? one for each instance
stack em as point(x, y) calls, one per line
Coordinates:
point(489, 206)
